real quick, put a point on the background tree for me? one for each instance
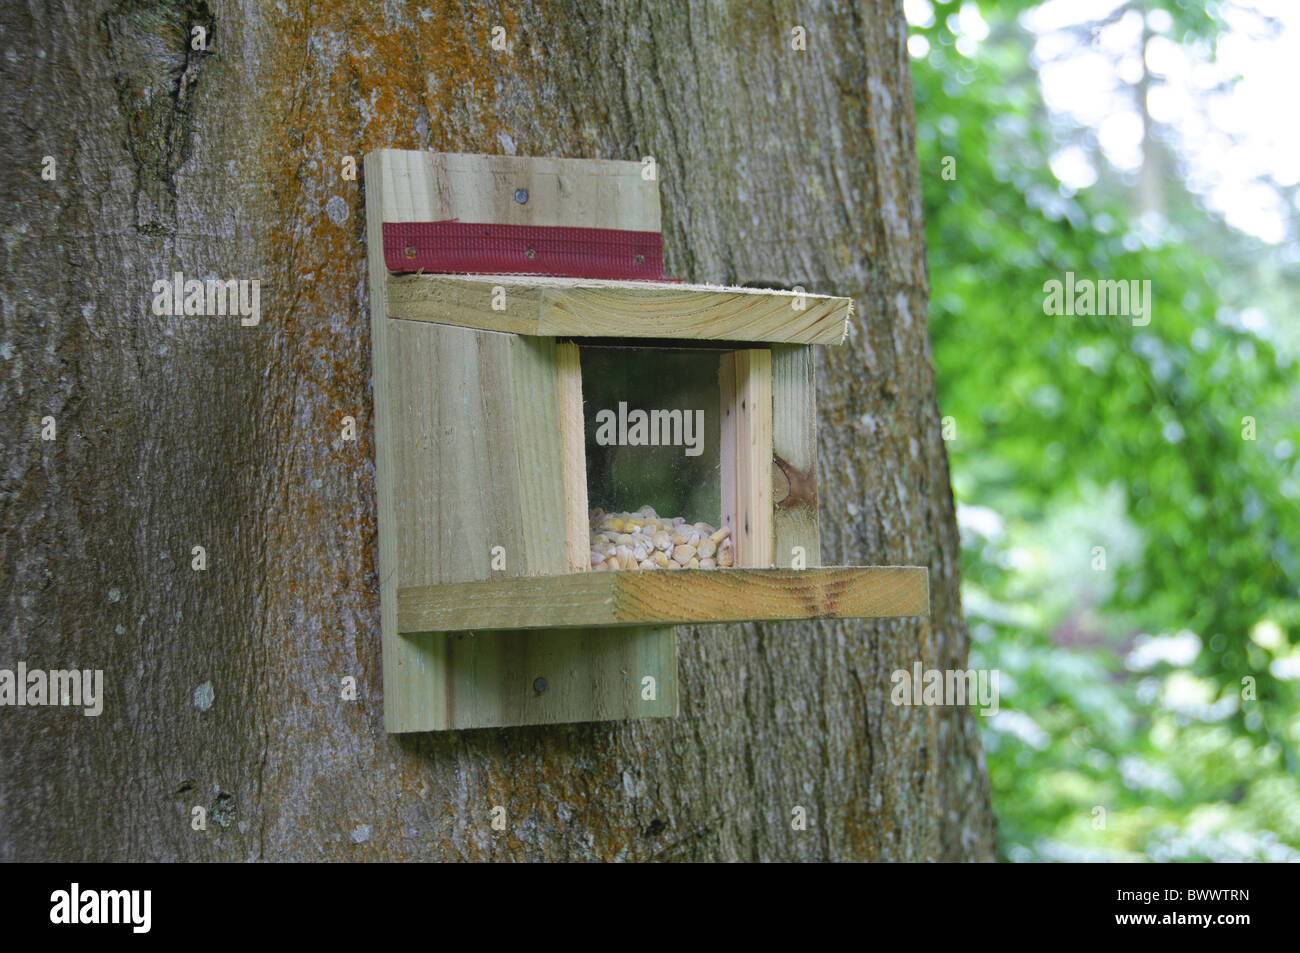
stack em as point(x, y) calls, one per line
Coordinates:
point(778, 167)
point(1129, 495)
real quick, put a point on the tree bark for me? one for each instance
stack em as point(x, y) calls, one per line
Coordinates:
point(223, 686)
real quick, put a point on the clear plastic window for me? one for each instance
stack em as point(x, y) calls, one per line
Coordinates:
point(653, 430)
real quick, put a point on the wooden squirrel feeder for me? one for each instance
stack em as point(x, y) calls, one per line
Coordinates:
point(548, 407)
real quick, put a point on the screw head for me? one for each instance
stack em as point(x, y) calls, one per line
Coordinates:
point(531, 253)
point(640, 259)
point(539, 685)
point(521, 196)
point(410, 251)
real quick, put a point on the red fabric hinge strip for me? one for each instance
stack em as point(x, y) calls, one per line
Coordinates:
point(455, 247)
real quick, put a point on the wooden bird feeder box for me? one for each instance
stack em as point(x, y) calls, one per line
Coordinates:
point(558, 428)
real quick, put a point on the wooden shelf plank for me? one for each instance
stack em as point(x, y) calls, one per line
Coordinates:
point(583, 307)
point(666, 598)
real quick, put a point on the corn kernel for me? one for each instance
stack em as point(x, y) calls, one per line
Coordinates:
point(644, 540)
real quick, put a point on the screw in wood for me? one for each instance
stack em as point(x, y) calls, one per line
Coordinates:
point(521, 196)
point(539, 685)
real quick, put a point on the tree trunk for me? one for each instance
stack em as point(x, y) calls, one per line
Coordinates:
point(223, 686)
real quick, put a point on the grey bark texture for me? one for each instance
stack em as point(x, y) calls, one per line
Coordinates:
point(223, 686)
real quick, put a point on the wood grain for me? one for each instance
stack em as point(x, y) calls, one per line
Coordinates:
point(573, 193)
point(407, 683)
point(577, 527)
point(687, 597)
point(581, 307)
point(794, 456)
point(745, 384)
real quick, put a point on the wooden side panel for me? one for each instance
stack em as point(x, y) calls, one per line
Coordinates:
point(727, 457)
point(581, 307)
point(794, 455)
point(573, 453)
point(454, 495)
point(745, 380)
point(408, 664)
point(455, 465)
point(541, 472)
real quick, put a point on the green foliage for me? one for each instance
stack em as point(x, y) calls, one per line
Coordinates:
point(1085, 432)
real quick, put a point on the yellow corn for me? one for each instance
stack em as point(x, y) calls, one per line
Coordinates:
point(644, 540)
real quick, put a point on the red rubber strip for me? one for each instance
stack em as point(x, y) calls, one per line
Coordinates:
point(455, 247)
